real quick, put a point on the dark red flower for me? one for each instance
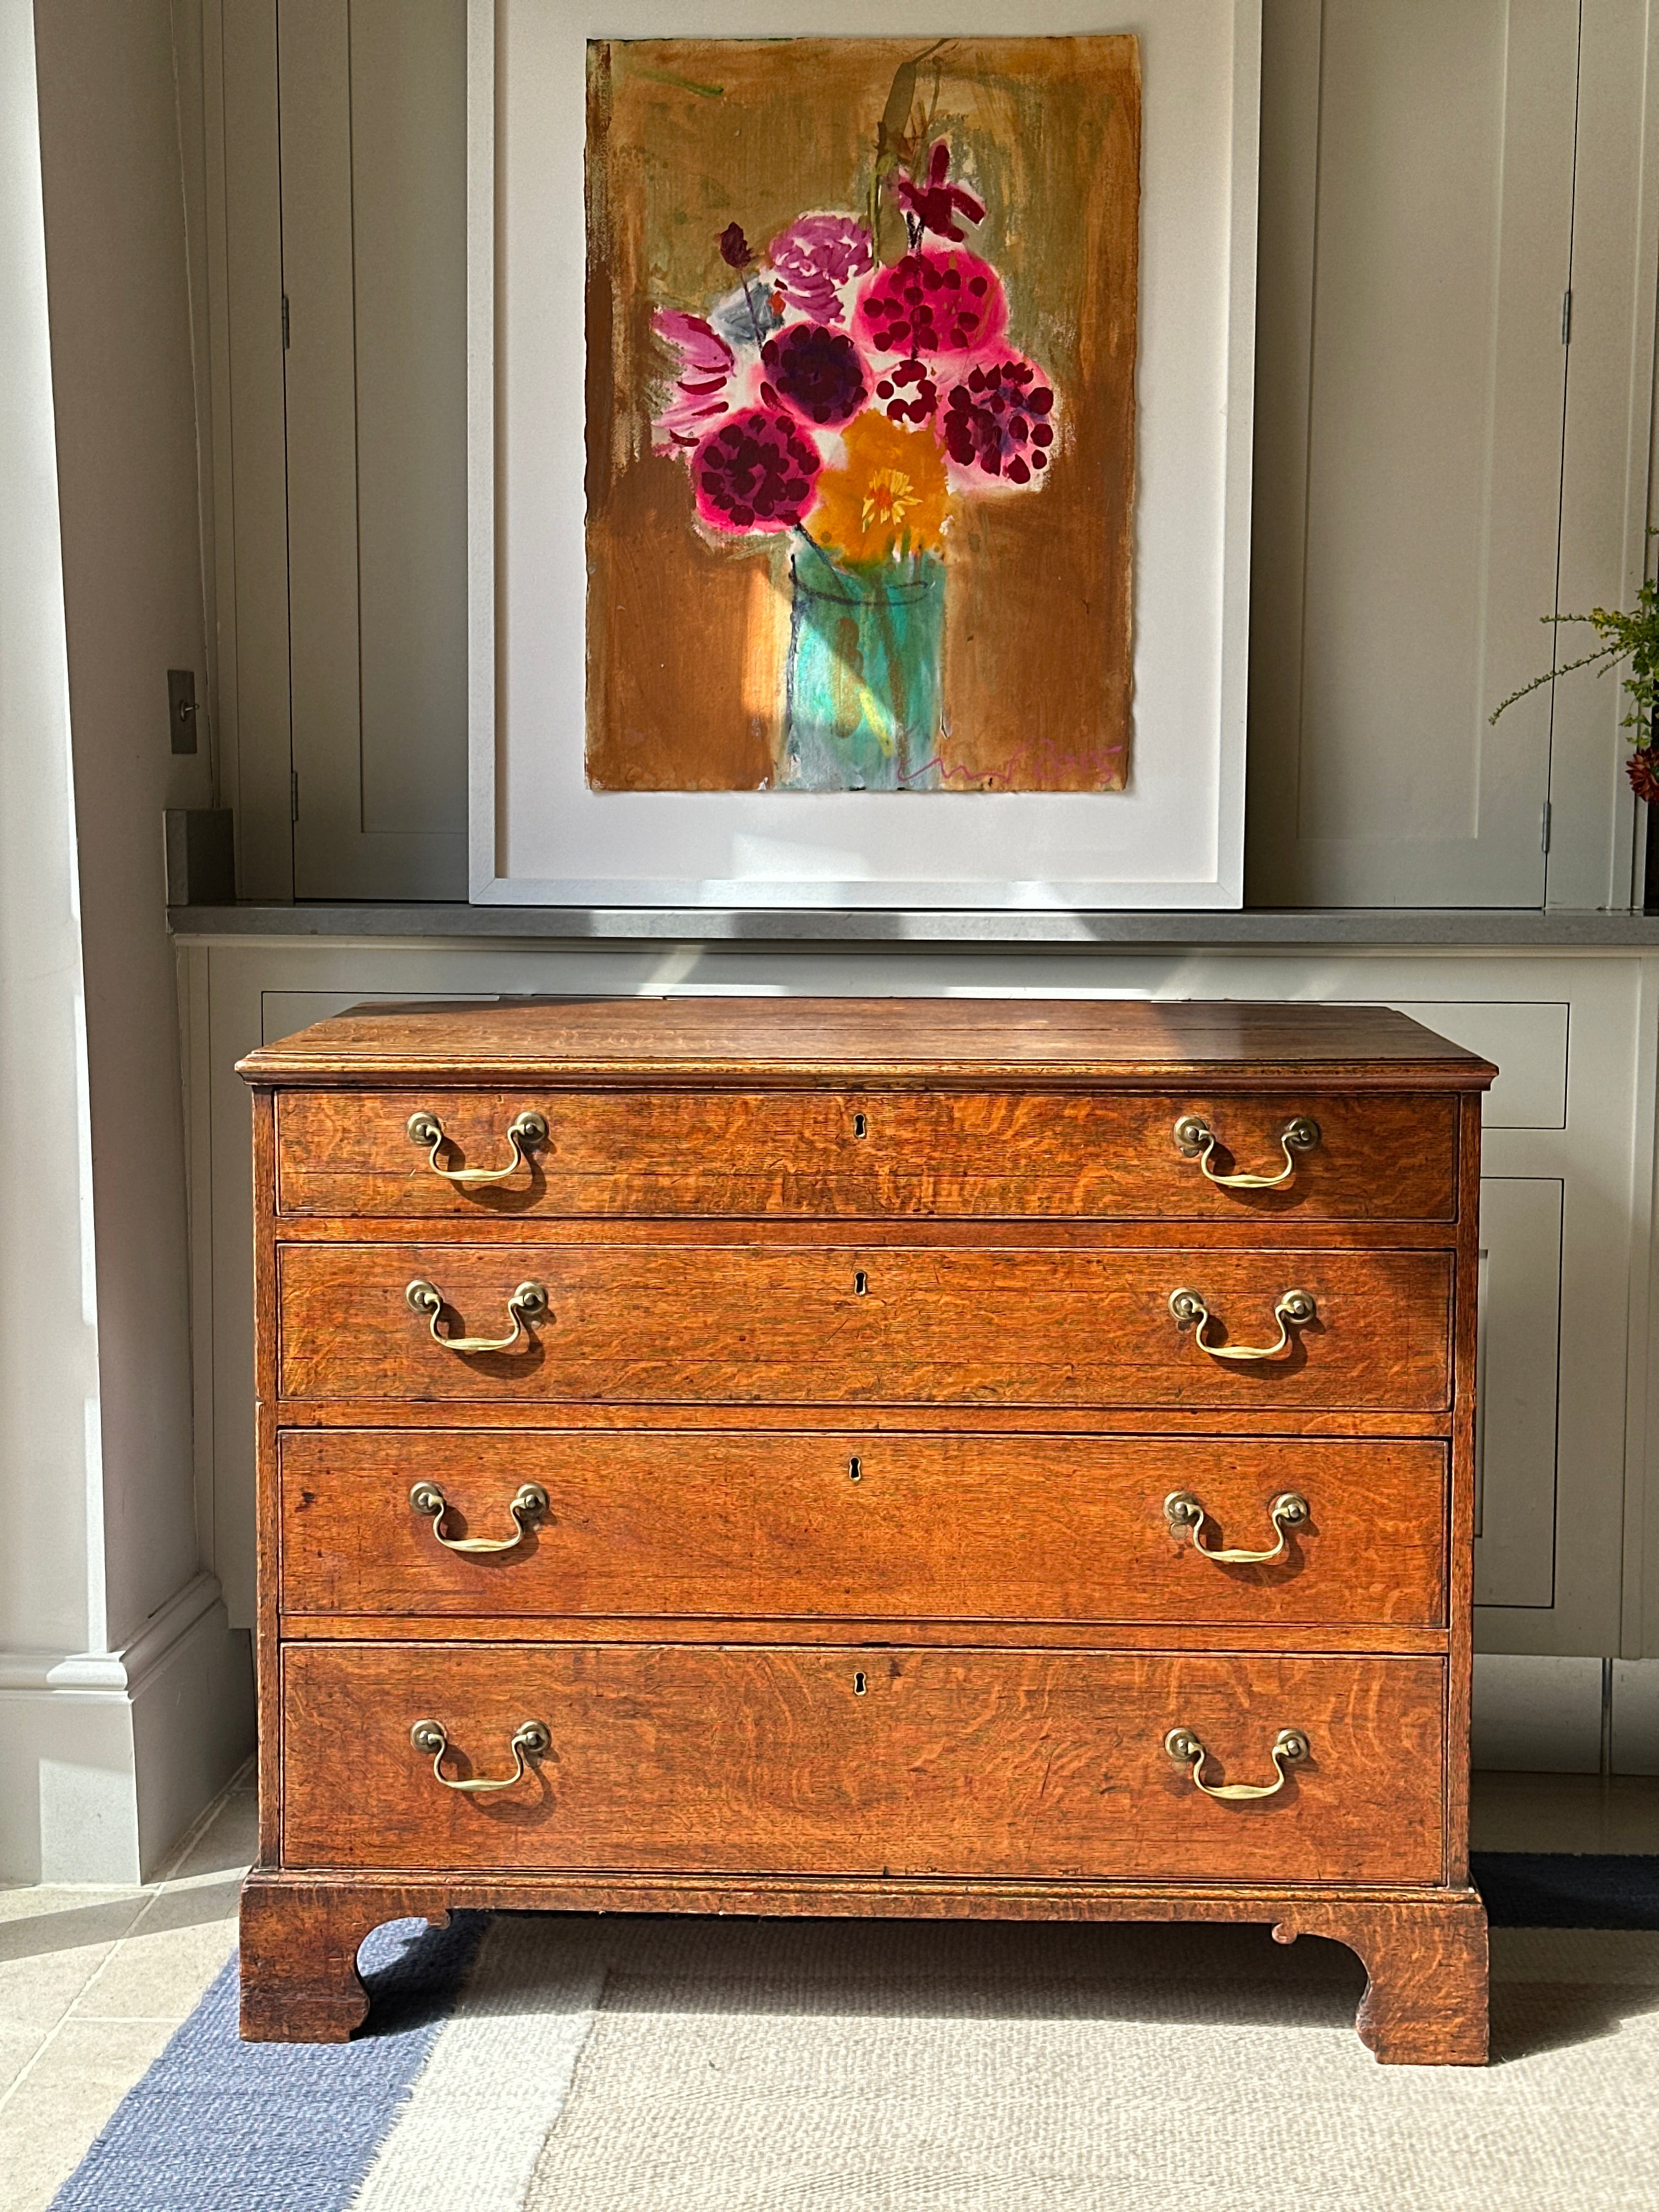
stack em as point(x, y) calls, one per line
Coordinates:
point(907, 393)
point(734, 247)
point(758, 471)
point(938, 300)
point(1642, 769)
point(997, 421)
point(814, 371)
point(936, 204)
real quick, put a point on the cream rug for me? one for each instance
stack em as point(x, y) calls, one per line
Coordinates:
point(540, 2064)
point(850, 2067)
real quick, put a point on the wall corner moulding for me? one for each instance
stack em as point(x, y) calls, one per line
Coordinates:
point(858, 488)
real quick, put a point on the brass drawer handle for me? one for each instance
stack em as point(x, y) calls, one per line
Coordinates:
point(1293, 1308)
point(528, 1742)
point(1184, 1748)
point(527, 1302)
point(1186, 1516)
point(1196, 1138)
point(522, 1135)
point(532, 1500)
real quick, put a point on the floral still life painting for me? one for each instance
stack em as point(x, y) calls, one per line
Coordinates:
point(861, 319)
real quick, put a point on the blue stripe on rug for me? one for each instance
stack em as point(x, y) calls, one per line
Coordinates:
point(220, 2125)
point(1568, 1889)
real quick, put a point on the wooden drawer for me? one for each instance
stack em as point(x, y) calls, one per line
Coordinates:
point(1385, 1155)
point(838, 1325)
point(700, 1525)
point(862, 1760)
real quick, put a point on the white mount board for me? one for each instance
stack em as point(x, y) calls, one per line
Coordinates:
point(1175, 838)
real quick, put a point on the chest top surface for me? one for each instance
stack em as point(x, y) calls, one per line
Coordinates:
point(1128, 1042)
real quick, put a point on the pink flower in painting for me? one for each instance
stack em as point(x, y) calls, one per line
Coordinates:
point(702, 388)
point(814, 257)
point(998, 421)
point(815, 371)
point(758, 471)
point(936, 204)
point(932, 301)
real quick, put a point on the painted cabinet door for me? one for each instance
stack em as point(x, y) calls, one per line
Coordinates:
point(1417, 244)
point(372, 152)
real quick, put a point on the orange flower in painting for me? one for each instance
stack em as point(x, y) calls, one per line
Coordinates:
point(889, 500)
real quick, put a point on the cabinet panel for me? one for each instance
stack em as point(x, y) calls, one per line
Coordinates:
point(373, 151)
point(1526, 1041)
point(1417, 240)
point(1519, 1385)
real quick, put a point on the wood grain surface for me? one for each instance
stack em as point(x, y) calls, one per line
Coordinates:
point(1122, 1044)
point(834, 1324)
point(841, 1153)
point(868, 1759)
point(699, 1524)
point(981, 1268)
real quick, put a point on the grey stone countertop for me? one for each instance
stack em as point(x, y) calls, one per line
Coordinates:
point(1555, 930)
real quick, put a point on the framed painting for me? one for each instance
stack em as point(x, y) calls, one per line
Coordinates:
point(859, 426)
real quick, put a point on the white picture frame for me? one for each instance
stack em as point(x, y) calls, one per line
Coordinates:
point(1174, 839)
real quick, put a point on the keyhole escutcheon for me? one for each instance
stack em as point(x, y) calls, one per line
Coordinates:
point(859, 1686)
point(855, 1470)
point(860, 1283)
point(861, 1125)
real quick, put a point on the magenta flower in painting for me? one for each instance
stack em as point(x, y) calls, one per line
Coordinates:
point(815, 371)
point(936, 204)
point(814, 257)
point(932, 301)
point(758, 471)
point(702, 387)
point(998, 421)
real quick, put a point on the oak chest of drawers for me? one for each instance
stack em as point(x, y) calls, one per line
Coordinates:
point(914, 1457)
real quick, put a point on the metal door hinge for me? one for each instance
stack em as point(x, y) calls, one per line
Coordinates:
point(293, 794)
point(285, 322)
point(1567, 317)
point(1544, 829)
point(182, 712)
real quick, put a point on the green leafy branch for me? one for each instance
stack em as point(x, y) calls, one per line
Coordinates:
point(1632, 636)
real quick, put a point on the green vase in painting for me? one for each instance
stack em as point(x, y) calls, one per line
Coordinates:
point(862, 707)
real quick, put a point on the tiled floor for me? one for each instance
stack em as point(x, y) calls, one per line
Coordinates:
point(94, 1982)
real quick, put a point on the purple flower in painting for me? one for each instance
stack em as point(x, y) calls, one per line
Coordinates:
point(936, 204)
point(907, 393)
point(758, 471)
point(734, 246)
point(702, 387)
point(815, 371)
point(936, 300)
point(998, 422)
point(815, 257)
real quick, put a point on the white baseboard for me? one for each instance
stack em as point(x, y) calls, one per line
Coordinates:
point(1537, 1715)
point(1636, 1717)
point(1544, 1716)
point(108, 1756)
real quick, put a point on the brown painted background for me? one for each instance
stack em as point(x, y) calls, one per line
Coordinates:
point(686, 640)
